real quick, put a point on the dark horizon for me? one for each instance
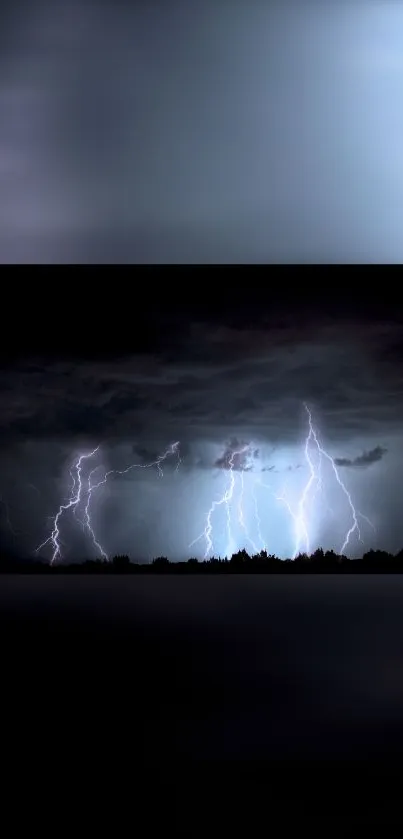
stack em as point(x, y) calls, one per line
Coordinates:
point(319, 562)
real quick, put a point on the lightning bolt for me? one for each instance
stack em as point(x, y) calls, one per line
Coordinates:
point(241, 517)
point(179, 459)
point(301, 528)
point(226, 499)
point(80, 492)
point(172, 450)
point(87, 522)
point(82, 496)
point(72, 503)
point(355, 514)
point(315, 481)
point(258, 519)
point(312, 493)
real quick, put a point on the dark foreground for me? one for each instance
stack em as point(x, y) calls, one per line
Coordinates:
point(225, 694)
point(320, 562)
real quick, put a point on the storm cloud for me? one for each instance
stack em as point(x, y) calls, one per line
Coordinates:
point(217, 388)
point(215, 378)
point(213, 381)
point(238, 456)
point(363, 460)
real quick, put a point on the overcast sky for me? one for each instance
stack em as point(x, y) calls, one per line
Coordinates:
point(216, 379)
point(201, 131)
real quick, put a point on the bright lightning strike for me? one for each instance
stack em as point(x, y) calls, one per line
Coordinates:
point(238, 501)
point(258, 520)
point(354, 513)
point(241, 517)
point(309, 507)
point(80, 493)
point(72, 503)
point(226, 499)
point(98, 547)
point(172, 450)
point(313, 486)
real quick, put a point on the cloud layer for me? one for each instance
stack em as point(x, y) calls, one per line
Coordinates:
point(363, 460)
point(215, 381)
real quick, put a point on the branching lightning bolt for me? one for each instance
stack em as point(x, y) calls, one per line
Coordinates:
point(226, 499)
point(258, 520)
point(83, 492)
point(173, 449)
point(179, 459)
point(355, 514)
point(302, 537)
point(312, 494)
point(98, 547)
point(241, 517)
point(71, 504)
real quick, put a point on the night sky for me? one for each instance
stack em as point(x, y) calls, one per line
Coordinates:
point(201, 132)
point(226, 376)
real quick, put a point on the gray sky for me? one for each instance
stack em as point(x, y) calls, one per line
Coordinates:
point(201, 132)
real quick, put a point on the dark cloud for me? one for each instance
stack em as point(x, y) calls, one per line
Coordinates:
point(217, 378)
point(363, 460)
point(238, 456)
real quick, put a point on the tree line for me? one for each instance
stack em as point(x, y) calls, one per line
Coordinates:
point(320, 562)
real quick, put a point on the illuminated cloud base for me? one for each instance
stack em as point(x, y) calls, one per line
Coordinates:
point(248, 513)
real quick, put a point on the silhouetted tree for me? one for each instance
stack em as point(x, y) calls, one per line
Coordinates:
point(240, 558)
point(373, 561)
point(160, 562)
point(121, 562)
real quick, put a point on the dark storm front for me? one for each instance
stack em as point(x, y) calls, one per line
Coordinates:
point(240, 667)
point(241, 516)
point(276, 433)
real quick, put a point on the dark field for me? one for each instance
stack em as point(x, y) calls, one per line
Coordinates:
point(291, 683)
